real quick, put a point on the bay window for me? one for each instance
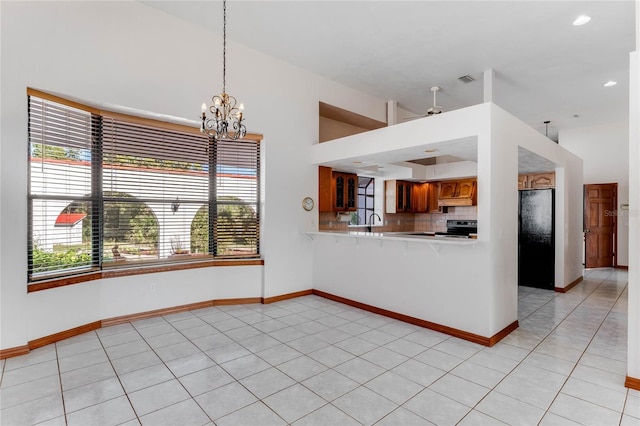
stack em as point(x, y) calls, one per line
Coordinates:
point(108, 190)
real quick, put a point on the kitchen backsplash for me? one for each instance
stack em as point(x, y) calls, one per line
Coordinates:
point(438, 222)
point(403, 222)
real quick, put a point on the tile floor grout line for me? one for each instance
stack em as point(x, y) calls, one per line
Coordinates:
point(529, 354)
point(602, 291)
point(4, 366)
point(220, 365)
point(64, 408)
point(126, 394)
point(587, 346)
point(193, 398)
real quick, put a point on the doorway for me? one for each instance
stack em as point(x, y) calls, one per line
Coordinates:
point(600, 225)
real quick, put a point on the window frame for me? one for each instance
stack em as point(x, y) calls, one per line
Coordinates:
point(98, 268)
point(369, 204)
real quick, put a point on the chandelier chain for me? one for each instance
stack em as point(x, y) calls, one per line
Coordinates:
point(226, 122)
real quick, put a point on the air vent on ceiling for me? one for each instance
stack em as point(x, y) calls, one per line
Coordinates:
point(466, 78)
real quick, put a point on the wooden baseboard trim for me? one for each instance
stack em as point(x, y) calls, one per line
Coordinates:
point(476, 338)
point(632, 383)
point(154, 313)
point(11, 352)
point(569, 286)
point(625, 267)
point(503, 333)
point(47, 340)
point(243, 301)
point(267, 300)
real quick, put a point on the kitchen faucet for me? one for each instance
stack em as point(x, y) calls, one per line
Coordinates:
point(370, 220)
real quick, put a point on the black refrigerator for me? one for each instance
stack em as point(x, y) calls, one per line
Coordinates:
point(536, 238)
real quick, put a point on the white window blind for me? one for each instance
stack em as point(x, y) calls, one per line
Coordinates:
point(236, 223)
point(110, 190)
point(60, 188)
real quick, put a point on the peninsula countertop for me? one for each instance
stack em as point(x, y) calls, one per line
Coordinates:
point(411, 236)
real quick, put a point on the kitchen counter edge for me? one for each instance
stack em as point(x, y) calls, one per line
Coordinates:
point(395, 236)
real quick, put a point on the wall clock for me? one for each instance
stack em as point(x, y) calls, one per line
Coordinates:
point(307, 203)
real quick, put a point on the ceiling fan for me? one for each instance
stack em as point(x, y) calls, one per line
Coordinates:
point(435, 109)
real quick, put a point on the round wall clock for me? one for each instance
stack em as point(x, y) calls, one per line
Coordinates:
point(307, 203)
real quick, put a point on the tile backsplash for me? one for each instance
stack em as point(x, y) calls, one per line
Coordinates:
point(403, 222)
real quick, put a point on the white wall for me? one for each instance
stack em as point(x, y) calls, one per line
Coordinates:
point(129, 54)
point(604, 150)
point(498, 136)
point(568, 195)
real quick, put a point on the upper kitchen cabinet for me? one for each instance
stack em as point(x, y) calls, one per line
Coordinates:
point(432, 200)
point(421, 197)
point(337, 191)
point(398, 196)
point(537, 181)
point(457, 193)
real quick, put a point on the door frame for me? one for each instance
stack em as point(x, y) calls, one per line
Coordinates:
point(615, 221)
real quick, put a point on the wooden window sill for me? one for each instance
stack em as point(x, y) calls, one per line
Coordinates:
point(137, 270)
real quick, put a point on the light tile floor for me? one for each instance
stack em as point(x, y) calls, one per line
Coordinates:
point(311, 361)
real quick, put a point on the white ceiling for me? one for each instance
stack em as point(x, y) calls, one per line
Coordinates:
point(546, 68)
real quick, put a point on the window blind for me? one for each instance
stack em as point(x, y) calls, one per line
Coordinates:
point(154, 182)
point(60, 195)
point(111, 190)
point(237, 198)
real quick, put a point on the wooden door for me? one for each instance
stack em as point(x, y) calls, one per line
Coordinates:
point(448, 189)
point(433, 191)
point(339, 202)
point(465, 188)
point(352, 192)
point(542, 180)
point(522, 181)
point(421, 197)
point(600, 224)
point(408, 197)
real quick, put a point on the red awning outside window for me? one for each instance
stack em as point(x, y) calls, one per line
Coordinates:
point(69, 219)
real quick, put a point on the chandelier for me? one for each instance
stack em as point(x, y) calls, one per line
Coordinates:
point(226, 122)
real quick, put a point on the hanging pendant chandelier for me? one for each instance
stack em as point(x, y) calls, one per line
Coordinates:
point(226, 120)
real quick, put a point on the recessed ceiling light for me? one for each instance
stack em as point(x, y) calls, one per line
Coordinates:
point(610, 83)
point(581, 20)
point(430, 150)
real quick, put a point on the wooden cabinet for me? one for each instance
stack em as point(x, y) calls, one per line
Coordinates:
point(537, 181)
point(448, 190)
point(337, 191)
point(398, 196)
point(457, 193)
point(345, 192)
point(522, 181)
point(542, 180)
point(421, 197)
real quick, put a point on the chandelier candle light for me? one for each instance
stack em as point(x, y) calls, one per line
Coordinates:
point(226, 122)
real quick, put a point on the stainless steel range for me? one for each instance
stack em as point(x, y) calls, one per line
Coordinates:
point(459, 229)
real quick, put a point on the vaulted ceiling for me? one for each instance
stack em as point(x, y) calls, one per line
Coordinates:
point(545, 67)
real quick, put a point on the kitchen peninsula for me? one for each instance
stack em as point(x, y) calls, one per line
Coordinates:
point(467, 288)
